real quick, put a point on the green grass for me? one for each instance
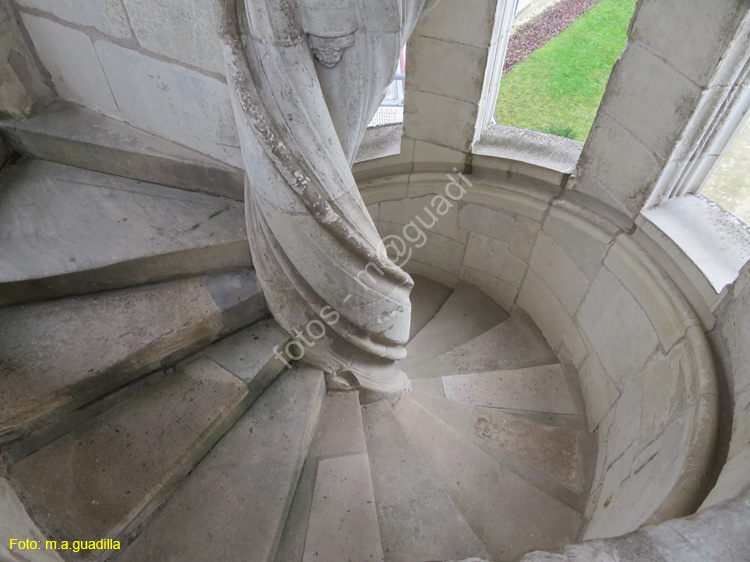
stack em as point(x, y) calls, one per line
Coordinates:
point(558, 88)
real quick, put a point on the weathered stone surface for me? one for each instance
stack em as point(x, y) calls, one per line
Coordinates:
point(583, 235)
point(423, 213)
point(183, 31)
point(443, 22)
point(183, 106)
point(418, 520)
point(467, 63)
point(104, 478)
point(733, 479)
point(599, 392)
point(719, 533)
point(77, 136)
point(427, 298)
point(495, 258)
point(108, 232)
point(488, 222)
point(22, 83)
point(420, 122)
point(421, 245)
point(233, 505)
point(58, 355)
point(606, 170)
point(441, 276)
point(513, 344)
point(669, 390)
point(676, 42)
point(430, 386)
point(554, 450)
point(538, 300)
point(339, 432)
point(248, 354)
point(500, 291)
point(69, 56)
point(535, 389)
point(343, 519)
point(466, 314)
point(16, 524)
point(669, 312)
point(379, 142)
point(618, 328)
point(108, 16)
point(639, 76)
point(563, 276)
point(461, 416)
point(430, 157)
point(532, 153)
point(487, 494)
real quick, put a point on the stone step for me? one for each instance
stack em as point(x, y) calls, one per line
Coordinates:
point(70, 134)
point(427, 298)
point(555, 459)
point(106, 477)
point(418, 520)
point(68, 231)
point(339, 433)
point(249, 354)
point(513, 344)
point(467, 313)
point(508, 514)
point(534, 389)
point(234, 504)
point(57, 356)
point(343, 521)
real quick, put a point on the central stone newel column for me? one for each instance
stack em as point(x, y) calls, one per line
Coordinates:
point(305, 80)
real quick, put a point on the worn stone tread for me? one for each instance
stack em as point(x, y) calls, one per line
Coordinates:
point(58, 355)
point(77, 136)
point(343, 522)
point(534, 389)
point(512, 344)
point(467, 313)
point(338, 432)
point(508, 514)
point(427, 298)
point(555, 459)
point(68, 231)
point(234, 504)
point(418, 519)
point(105, 477)
point(249, 353)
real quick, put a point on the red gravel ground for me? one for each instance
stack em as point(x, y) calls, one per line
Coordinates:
point(537, 32)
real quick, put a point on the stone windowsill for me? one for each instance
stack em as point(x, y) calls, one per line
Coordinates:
point(380, 142)
point(530, 147)
point(715, 241)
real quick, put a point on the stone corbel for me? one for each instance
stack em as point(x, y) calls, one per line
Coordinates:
point(330, 26)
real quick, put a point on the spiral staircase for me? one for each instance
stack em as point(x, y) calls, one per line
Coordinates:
point(144, 399)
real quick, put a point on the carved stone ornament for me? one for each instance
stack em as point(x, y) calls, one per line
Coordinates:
point(329, 50)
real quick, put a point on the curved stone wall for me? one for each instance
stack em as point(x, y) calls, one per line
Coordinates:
point(602, 303)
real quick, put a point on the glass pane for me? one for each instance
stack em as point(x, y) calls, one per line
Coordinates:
point(391, 109)
point(729, 185)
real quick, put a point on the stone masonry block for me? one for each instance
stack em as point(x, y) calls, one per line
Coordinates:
point(459, 74)
point(560, 273)
point(172, 102)
point(70, 58)
point(108, 16)
point(650, 98)
point(184, 30)
point(618, 328)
